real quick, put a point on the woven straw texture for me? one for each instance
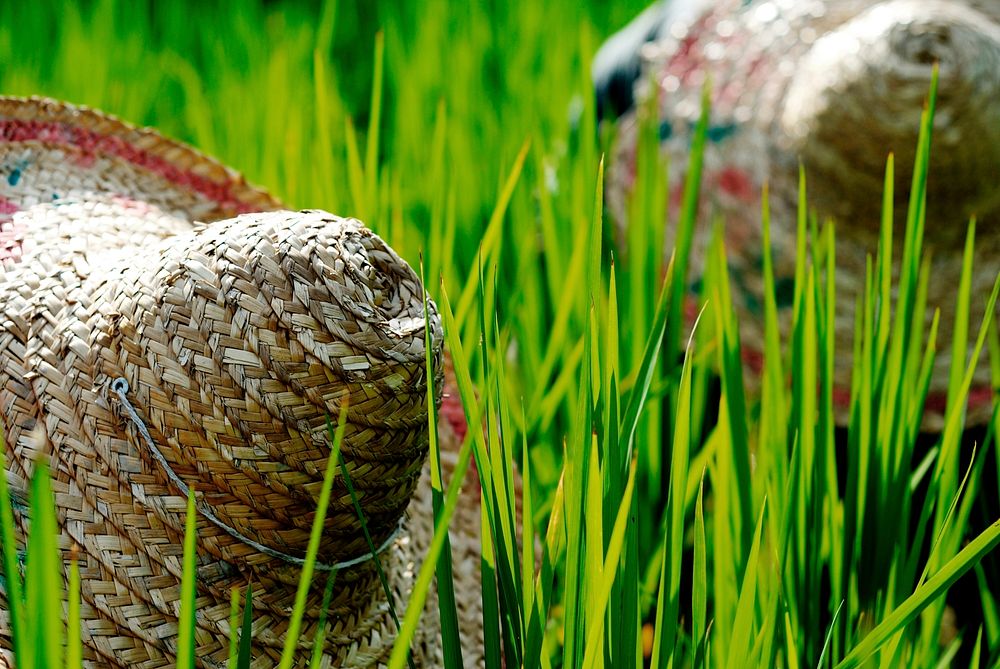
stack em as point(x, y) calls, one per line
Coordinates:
point(237, 338)
point(837, 85)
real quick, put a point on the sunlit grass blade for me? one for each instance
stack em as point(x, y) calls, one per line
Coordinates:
point(74, 643)
point(319, 641)
point(651, 354)
point(291, 646)
point(740, 645)
point(933, 588)
point(731, 372)
point(186, 623)
point(447, 608)
point(699, 588)
point(422, 584)
point(234, 623)
point(492, 622)
point(791, 652)
point(829, 638)
point(12, 572)
point(552, 553)
point(376, 559)
point(603, 587)
point(974, 661)
point(665, 634)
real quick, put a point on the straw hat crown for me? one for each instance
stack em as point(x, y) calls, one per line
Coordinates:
point(143, 353)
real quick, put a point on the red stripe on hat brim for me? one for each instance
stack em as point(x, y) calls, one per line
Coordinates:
point(92, 143)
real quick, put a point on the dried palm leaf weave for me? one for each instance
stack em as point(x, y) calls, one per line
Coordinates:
point(165, 326)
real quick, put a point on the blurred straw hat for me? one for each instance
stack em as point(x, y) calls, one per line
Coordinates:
point(142, 353)
point(837, 85)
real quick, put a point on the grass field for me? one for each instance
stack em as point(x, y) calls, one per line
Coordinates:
point(464, 133)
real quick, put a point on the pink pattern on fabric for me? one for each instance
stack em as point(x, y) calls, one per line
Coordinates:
point(138, 207)
point(451, 410)
point(736, 182)
point(91, 144)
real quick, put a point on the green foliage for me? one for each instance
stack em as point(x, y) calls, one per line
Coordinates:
point(466, 138)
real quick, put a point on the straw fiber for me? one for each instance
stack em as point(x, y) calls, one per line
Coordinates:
point(236, 337)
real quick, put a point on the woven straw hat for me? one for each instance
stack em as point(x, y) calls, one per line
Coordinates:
point(142, 353)
point(837, 85)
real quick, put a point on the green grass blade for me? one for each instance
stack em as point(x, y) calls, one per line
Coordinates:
point(44, 575)
point(12, 571)
point(74, 644)
point(552, 553)
point(661, 655)
point(243, 656)
point(829, 637)
point(741, 645)
point(290, 648)
point(447, 608)
point(320, 640)
point(699, 589)
point(527, 527)
point(665, 633)
point(974, 662)
point(390, 599)
point(600, 601)
point(234, 622)
point(884, 281)
point(421, 586)
point(651, 354)
point(945, 661)
point(186, 623)
point(991, 613)
point(492, 623)
point(923, 596)
point(324, 164)
point(731, 371)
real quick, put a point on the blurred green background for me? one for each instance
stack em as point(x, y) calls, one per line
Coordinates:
point(237, 79)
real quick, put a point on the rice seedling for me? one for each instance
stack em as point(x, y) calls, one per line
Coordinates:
point(657, 522)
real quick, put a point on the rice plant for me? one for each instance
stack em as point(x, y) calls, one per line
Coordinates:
point(674, 525)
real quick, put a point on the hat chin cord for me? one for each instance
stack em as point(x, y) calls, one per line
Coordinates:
point(121, 388)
